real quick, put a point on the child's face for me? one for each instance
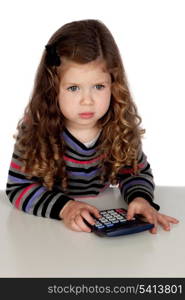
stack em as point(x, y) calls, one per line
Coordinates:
point(84, 88)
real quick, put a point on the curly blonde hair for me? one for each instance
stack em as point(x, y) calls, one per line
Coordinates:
point(39, 130)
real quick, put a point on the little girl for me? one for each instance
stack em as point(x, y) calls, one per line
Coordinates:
point(80, 133)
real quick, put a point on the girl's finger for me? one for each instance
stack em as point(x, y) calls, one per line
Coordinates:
point(88, 217)
point(153, 230)
point(93, 210)
point(73, 226)
point(152, 219)
point(163, 221)
point(80, 222)
point(172, 220)
point(130, 212)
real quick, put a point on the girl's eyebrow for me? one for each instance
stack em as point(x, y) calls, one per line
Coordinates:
point(75, 83)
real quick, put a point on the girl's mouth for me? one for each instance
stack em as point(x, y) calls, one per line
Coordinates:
point(86, 115)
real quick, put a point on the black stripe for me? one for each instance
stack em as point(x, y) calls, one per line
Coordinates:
point(14, 174)
point(123, 176)
point(74, 169)
point(59, 204)
point(149, 174)
point(37, 205)
point(145, 196)
point(85, 187)
point(74, 139)
point(145, 169)
point(15, 156)
point(139, 194)
point(8, 192)
point(9, 185)
point(141, 159)
point(84, 181)
point(140, 178)
point(89, 158)
point(79, 154)
point(47, 202)
point(14, 192)
point(127, 193)
point(84, 193)
point(29, 197)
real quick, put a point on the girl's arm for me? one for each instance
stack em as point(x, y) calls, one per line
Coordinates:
point(141, 185)
point(142, 207)
point(30, 196)
point(138, 192)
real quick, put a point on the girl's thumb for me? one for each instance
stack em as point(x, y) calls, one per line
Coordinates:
point(130, 213)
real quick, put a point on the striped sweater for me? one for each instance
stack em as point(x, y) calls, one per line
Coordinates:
point(83, 174)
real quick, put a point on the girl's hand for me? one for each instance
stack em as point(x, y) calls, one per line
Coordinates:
point(74, 212)
point(141, 206)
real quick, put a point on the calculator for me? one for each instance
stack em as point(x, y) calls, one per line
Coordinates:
point(113, 222)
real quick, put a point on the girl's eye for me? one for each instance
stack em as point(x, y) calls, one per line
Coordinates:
point(72, 88)
point(99, 86)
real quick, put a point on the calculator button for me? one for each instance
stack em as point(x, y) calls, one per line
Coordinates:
point(98, 223)
point(115, 222)
point(109, 225)
point(112, 219)
point(100, 226)
point(133, 219)
point(115, 214)
point(123, 221)
point(105, 222)
point(120, 218)
point(118, 210)
point(123, 214)
point(103, 213)
point(121, 211)
point(102, 219)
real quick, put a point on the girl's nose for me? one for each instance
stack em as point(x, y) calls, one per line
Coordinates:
point(86, 98)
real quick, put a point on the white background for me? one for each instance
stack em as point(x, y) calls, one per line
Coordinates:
point(151, 37)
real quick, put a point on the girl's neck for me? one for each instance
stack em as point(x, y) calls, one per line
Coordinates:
point(84, 135)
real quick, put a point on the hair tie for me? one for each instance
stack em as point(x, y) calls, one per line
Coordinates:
point(52, 58)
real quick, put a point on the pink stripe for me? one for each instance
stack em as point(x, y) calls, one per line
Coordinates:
point(15, 166)
point(94, 196)
point(22, 194)
point(81, 161)
point(127, 171)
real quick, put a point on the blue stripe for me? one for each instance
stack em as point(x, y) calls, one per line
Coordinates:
point(36, 195)
point(135, 182)
point(15, 179)
point(76, 146)
point(83, 173)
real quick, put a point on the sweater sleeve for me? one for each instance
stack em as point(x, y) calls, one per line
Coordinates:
point(140, 185)
point(30, 196)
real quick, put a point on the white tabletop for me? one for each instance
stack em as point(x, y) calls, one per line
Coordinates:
point(39, 247)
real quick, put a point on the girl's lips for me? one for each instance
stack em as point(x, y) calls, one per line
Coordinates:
point(86, 115)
